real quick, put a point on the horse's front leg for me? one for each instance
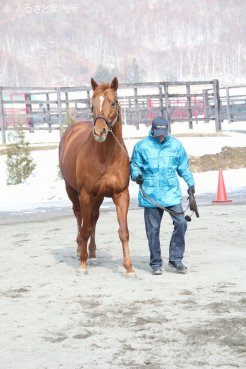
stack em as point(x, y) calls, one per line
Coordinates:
point(122, 204)
point(96, 203)
point(86, 228)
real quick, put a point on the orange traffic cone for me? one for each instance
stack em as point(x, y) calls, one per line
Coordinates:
point(221, 191)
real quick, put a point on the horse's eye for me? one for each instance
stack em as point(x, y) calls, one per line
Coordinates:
point(113, 104)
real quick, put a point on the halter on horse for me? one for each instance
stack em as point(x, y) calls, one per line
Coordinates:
point(94, 166)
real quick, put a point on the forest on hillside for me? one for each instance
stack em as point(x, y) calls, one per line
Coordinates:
point(137, 40)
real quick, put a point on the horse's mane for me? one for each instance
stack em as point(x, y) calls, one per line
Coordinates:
point(101, 88)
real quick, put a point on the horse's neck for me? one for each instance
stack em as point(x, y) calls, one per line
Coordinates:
point(117, 130)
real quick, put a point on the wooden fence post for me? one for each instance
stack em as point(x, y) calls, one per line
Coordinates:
point(58, 92)
point(161, 100)
point(217, 105)
point(47, 117)
point(167, 103)
point(228, 107)
point(88, 102)
point(136, 105)
point(67, 103)
point(189, 108)
point(28, 100)
point(205, 106)
point(2, 117)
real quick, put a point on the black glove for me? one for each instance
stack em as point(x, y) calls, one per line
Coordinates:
point(193, 205)
point(139, 179)
point(191, 190)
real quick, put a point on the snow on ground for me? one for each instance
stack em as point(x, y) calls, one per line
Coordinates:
point(45, 188)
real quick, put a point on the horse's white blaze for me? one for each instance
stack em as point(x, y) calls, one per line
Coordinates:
point(101, 103)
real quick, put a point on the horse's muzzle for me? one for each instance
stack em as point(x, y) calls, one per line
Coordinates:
point(101, 137)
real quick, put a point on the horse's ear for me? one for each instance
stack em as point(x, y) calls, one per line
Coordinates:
point(114, 84)
point(93, 84)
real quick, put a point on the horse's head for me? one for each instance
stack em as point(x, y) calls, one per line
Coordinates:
point(105, 108)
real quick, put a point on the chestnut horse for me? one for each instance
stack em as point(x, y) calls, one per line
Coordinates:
point(94, 164)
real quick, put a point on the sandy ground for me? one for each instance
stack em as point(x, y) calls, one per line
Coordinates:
point(53, 316)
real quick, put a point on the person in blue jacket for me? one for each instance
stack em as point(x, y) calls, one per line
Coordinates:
point(155, 163)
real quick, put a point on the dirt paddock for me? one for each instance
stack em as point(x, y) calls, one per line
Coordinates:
point(53, 316)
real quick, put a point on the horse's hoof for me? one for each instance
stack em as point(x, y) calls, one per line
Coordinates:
point(132, 274)
point(92, 261)
point(83, 266)
point(83, 271)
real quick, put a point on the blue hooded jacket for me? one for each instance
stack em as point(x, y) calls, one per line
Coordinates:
point(159, 162)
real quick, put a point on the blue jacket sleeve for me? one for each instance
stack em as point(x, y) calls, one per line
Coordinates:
point(183, 167)
point(135, 164)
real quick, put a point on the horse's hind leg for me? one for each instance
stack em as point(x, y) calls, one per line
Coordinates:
point(74, 197)
point(94, 218)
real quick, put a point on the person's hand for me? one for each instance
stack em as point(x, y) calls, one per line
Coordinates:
point(193, 205)
point(191, 190)
point(139, 179)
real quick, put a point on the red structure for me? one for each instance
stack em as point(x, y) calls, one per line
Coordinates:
point(150, 111)
point(180, 111)
point(15, 109)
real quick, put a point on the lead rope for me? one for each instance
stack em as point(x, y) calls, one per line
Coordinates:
point(123, 148)
point(172, 212)
point(188, 218)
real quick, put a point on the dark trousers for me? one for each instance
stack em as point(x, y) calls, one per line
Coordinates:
point(152, 218)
